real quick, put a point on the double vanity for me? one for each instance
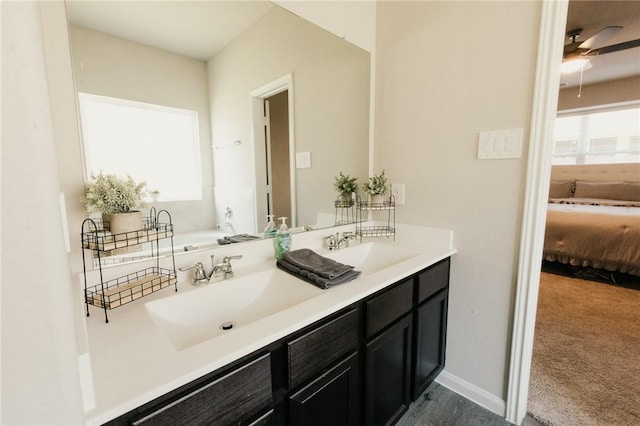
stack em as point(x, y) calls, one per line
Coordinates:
point(264, 347)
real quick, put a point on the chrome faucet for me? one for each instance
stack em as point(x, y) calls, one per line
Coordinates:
point(218, 271)
point(199, 276)
point(334, 242)
point(225, 266)
point(346, 237)
point(331, 242)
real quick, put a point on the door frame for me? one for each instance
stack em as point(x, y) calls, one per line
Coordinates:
point(258, 96)
point(543, 114)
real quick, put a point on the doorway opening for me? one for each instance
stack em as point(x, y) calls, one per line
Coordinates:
point(274, 151)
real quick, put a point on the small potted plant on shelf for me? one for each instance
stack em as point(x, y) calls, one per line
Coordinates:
point(346, 186)
point(117, 198)
point(376, 186)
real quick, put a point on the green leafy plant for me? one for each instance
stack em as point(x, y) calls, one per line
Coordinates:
point(345, 184)
point(109, 194)
point(376, 185)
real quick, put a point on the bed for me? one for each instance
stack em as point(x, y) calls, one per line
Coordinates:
point(594, 224)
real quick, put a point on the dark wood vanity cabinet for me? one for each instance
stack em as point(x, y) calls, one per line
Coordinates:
point(387, 353)
point(323, 373)
point(388, 374)
point(361, 365)
point(237, 395)
point(330, 399)
point(430, 325)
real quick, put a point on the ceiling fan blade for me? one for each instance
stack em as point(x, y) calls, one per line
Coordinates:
point(571, 48)
point(600, 37)
point(615, 47)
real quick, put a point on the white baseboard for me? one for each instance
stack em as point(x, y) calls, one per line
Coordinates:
point(472, 393)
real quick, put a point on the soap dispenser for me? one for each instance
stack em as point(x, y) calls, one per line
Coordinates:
point(270, 231)
point(283, 239)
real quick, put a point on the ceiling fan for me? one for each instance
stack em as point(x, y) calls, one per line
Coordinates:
point(576, 53)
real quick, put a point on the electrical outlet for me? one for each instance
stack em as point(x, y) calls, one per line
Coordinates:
point(397, 190)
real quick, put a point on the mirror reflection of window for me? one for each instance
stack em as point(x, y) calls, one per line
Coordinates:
point(152, 143)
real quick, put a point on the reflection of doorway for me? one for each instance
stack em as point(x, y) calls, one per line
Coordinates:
point(278, 161)
point(273, 145)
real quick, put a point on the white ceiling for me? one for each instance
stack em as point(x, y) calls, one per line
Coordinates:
point(199, 29)
point(196, 29)
point(592, 16)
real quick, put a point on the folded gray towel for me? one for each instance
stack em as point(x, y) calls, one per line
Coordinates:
point(239, 238)
point(311, 261)
point(323, 283)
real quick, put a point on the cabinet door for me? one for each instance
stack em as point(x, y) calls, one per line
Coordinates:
point(238, 395)
point(387, 381)
point(267, 419)
point(431, 335)
point(331, 399)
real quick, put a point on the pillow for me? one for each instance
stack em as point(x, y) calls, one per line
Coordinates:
point(627, 191)
point(560, 189)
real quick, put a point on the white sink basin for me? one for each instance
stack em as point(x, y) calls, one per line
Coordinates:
point(202, 314)
point(371, 257)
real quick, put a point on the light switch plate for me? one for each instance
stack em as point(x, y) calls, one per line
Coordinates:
point(500, 144)
point(303, 160)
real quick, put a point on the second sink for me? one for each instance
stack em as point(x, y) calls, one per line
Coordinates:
point(371, 257)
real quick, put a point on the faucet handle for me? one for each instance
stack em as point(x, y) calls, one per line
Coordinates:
point(226, 259)
point(330, 241)
point(226, 265)
point(199, 276)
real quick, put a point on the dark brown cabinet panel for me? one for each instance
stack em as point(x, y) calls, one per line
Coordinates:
point(383, 309)
point(267, 419)
point(331, 399)
point(388, 374)
point(321, 347)
point(238, 395)
point(433, 279)
point(430, 341)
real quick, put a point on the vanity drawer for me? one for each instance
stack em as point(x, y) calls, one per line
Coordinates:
point(239, 394)
point(319, 348)
point(433, 280)
point(387, 307)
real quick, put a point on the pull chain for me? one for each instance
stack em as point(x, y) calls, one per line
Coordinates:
point(580, 89)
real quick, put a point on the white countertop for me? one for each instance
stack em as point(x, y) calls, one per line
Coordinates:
point(131, 361)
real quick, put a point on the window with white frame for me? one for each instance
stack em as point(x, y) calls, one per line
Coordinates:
point(155, 144)
point(603, 135)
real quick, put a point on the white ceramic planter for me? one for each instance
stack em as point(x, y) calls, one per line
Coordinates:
point(122, 223)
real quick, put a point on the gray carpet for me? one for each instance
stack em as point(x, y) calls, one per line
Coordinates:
point(586, 354)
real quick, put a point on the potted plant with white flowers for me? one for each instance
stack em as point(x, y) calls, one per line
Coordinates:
point(346, 185)
point(376, 186)
point(117, 199)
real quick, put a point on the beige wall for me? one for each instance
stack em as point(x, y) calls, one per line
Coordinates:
point(331, 110)
point(436, 89)
point(354, 21)
point(40, 380)
point(111, 66)
point(622, 90)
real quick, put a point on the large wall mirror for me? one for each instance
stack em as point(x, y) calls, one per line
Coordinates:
point(230, 62)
